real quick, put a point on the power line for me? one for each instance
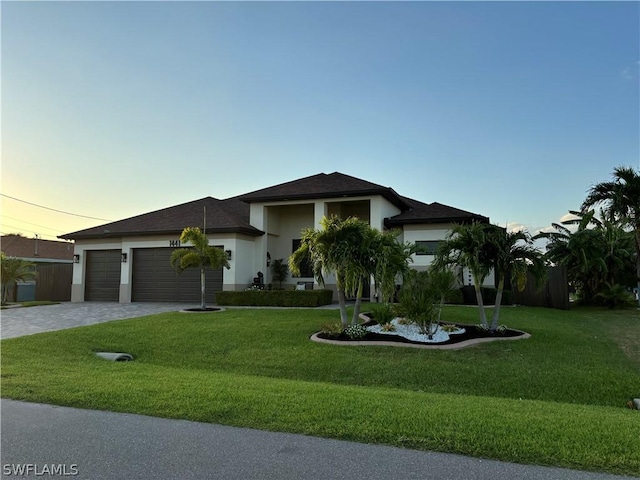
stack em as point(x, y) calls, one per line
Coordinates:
point(34, 224)
point(19, 231)
point(53, 209)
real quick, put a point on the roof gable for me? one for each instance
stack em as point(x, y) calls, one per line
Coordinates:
point(222, 216)
point(433, 213)
point(323, 185)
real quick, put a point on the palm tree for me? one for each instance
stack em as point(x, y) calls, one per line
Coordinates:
point(331, 249)
point(14, 270)
point(390, 261)
point(201, 256)
point(466, 246)
point(621, 199)
point(514, 252)
point(353, 252)
point(597, 253)
point(385, 259)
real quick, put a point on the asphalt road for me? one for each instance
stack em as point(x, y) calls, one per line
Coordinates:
point(97, 445)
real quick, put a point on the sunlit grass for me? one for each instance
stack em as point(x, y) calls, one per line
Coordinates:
point(555, 399)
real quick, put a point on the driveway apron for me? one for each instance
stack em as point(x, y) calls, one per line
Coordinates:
point(16, 322)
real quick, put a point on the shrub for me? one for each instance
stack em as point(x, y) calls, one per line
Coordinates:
point(280, 271)
point(421, 298)
point(488, 296)
point(454, 297)
point(355, 331)
point(616, 296)
point(275, 298)
point(449, 327)
point(502, 329)
point(332, 330)
point(383, 313)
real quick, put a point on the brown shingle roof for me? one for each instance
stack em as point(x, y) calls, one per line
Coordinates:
point(35, 250)
point(232, 215)
point(323, 185)
point(223, 216)
point(433, 213)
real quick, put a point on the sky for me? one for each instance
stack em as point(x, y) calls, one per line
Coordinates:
point(511, 110)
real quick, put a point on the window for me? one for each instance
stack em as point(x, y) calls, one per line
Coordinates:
point(427, 247)
point(305, 266)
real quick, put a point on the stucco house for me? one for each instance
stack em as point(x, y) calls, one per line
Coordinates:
point(128, 260)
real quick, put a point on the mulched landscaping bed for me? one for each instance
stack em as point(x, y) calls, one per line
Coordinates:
point(471, 333)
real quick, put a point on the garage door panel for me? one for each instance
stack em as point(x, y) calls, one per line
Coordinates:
point(155, 280)
point(102, 282)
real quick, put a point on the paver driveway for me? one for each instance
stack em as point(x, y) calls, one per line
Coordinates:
point(16, 322)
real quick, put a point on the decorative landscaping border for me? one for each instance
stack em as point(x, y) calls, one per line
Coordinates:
point(212, 310)
point(454, 346)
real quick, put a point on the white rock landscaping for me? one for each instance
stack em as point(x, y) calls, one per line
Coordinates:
point(412, 332)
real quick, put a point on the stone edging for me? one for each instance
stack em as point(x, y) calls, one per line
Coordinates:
point(217, 309)
point(454, 346)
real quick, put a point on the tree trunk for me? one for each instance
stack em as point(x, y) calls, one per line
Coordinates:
point(203, 305)
point(483, 315)
point(496, 308)
point(343, 308)
point(358, 304)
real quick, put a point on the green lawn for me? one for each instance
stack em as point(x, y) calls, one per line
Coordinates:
point(557, 398)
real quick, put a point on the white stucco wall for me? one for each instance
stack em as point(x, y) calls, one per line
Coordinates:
point(426, 232)
point(284, 221)
point(241, 246)
point(381, 208)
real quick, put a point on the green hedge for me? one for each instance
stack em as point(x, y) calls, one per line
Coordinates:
point(488, 296)
point(454, 297)
point(275, 298)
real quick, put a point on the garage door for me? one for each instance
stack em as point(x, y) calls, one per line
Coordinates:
point(102, 281)
point(155, 280)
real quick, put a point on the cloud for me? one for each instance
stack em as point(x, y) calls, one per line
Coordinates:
point(568, 216)
point(515, 227)
point(548, 229)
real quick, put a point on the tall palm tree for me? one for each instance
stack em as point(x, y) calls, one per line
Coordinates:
point(353, 252)
point(333, 248)
point(466, 246)
point(621, 199)
point(201, 256)
point(598, 252)
point(385, 259)
point(14, 270)
point(514, 252)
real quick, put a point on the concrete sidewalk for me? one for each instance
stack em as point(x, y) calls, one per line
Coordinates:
point(113, 446)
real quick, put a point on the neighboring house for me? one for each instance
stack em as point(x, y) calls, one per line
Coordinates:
point(53, 260)
point(128, 260)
